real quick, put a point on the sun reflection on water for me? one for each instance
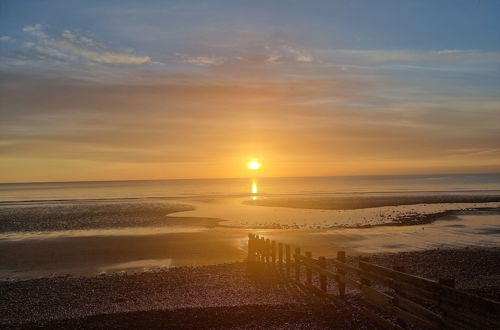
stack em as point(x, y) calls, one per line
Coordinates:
point(254, 190)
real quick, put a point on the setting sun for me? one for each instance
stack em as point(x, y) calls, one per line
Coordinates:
point(253, 165)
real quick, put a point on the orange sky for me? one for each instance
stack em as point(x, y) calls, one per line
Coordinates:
point(130, 101)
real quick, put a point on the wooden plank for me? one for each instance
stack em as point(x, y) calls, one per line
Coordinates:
point(297, 264)
point(322, 277)
point(308, 269)
point(385, 303)
point(420, 282)
point(251, 254)
point(390, 305)
point(413, 319)
point(338, 264)
point(280, 253)
point(346, 267)
point(315, 266)
point(475, 310)
point(386, 324)
point(287, 258)
point(441, 293)
point(273, 251)
point(262, 247)
point(339, 278)
point(319, 292)
point(341, 258)
point(396, 285)
point(379, 299)
point(423, 312)
point(347, 281)
point(267, 250)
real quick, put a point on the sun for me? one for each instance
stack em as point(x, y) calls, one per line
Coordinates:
point(253, 165)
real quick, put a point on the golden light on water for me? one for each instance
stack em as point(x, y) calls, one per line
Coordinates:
point(254, 190)
point(253, 165)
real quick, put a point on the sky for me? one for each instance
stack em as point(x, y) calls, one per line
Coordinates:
point(119, 90)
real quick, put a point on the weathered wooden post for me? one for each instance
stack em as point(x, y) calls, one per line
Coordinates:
point(273, 251)
point(280, 254)
point(297, 264)
point(251, 252)
point(262, 249)
point(322, 277)
point(287, 258)
point(268, 249)
point(308, 269)
point(341, 258)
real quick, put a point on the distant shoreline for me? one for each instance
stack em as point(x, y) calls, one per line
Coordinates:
point(265, 177)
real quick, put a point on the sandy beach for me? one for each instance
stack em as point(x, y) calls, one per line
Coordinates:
point(220, 296)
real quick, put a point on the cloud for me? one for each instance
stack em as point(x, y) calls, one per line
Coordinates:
point(272, 53)
point(155, 122)
point(201, 60)
point(73, 46)
point(273, 58)
point(5, 38)
point(298, 55)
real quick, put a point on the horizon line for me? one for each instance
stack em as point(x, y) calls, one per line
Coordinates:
point(251, 177)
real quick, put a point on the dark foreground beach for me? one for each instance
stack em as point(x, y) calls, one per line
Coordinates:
point(220, 296)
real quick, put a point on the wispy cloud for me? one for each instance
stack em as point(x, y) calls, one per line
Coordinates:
point(298, 54)
point(73, 45)
point(201, 60)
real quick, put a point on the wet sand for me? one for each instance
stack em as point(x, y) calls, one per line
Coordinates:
point(361, 202)
point(159, 239)
point(220, 296)
point(88, 214)
point(91, 255)
point(237, 212)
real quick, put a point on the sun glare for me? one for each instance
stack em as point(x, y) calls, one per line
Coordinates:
point(253, 165)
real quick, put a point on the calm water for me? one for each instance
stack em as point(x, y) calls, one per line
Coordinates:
point(462, 183)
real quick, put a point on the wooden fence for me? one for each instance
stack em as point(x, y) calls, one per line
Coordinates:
point(393, 299)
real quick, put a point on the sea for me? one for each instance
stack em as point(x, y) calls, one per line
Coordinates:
point(89, 228)
point(311, 186)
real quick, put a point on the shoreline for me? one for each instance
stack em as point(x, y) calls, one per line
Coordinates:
point(206, 291)
point(209, 213)
point(423, 219)
point(362, 202)
point(194, 242)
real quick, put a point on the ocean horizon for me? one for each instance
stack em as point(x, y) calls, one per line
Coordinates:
point(265, 186)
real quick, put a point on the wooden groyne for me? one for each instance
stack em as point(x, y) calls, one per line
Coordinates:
point(392, 298)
